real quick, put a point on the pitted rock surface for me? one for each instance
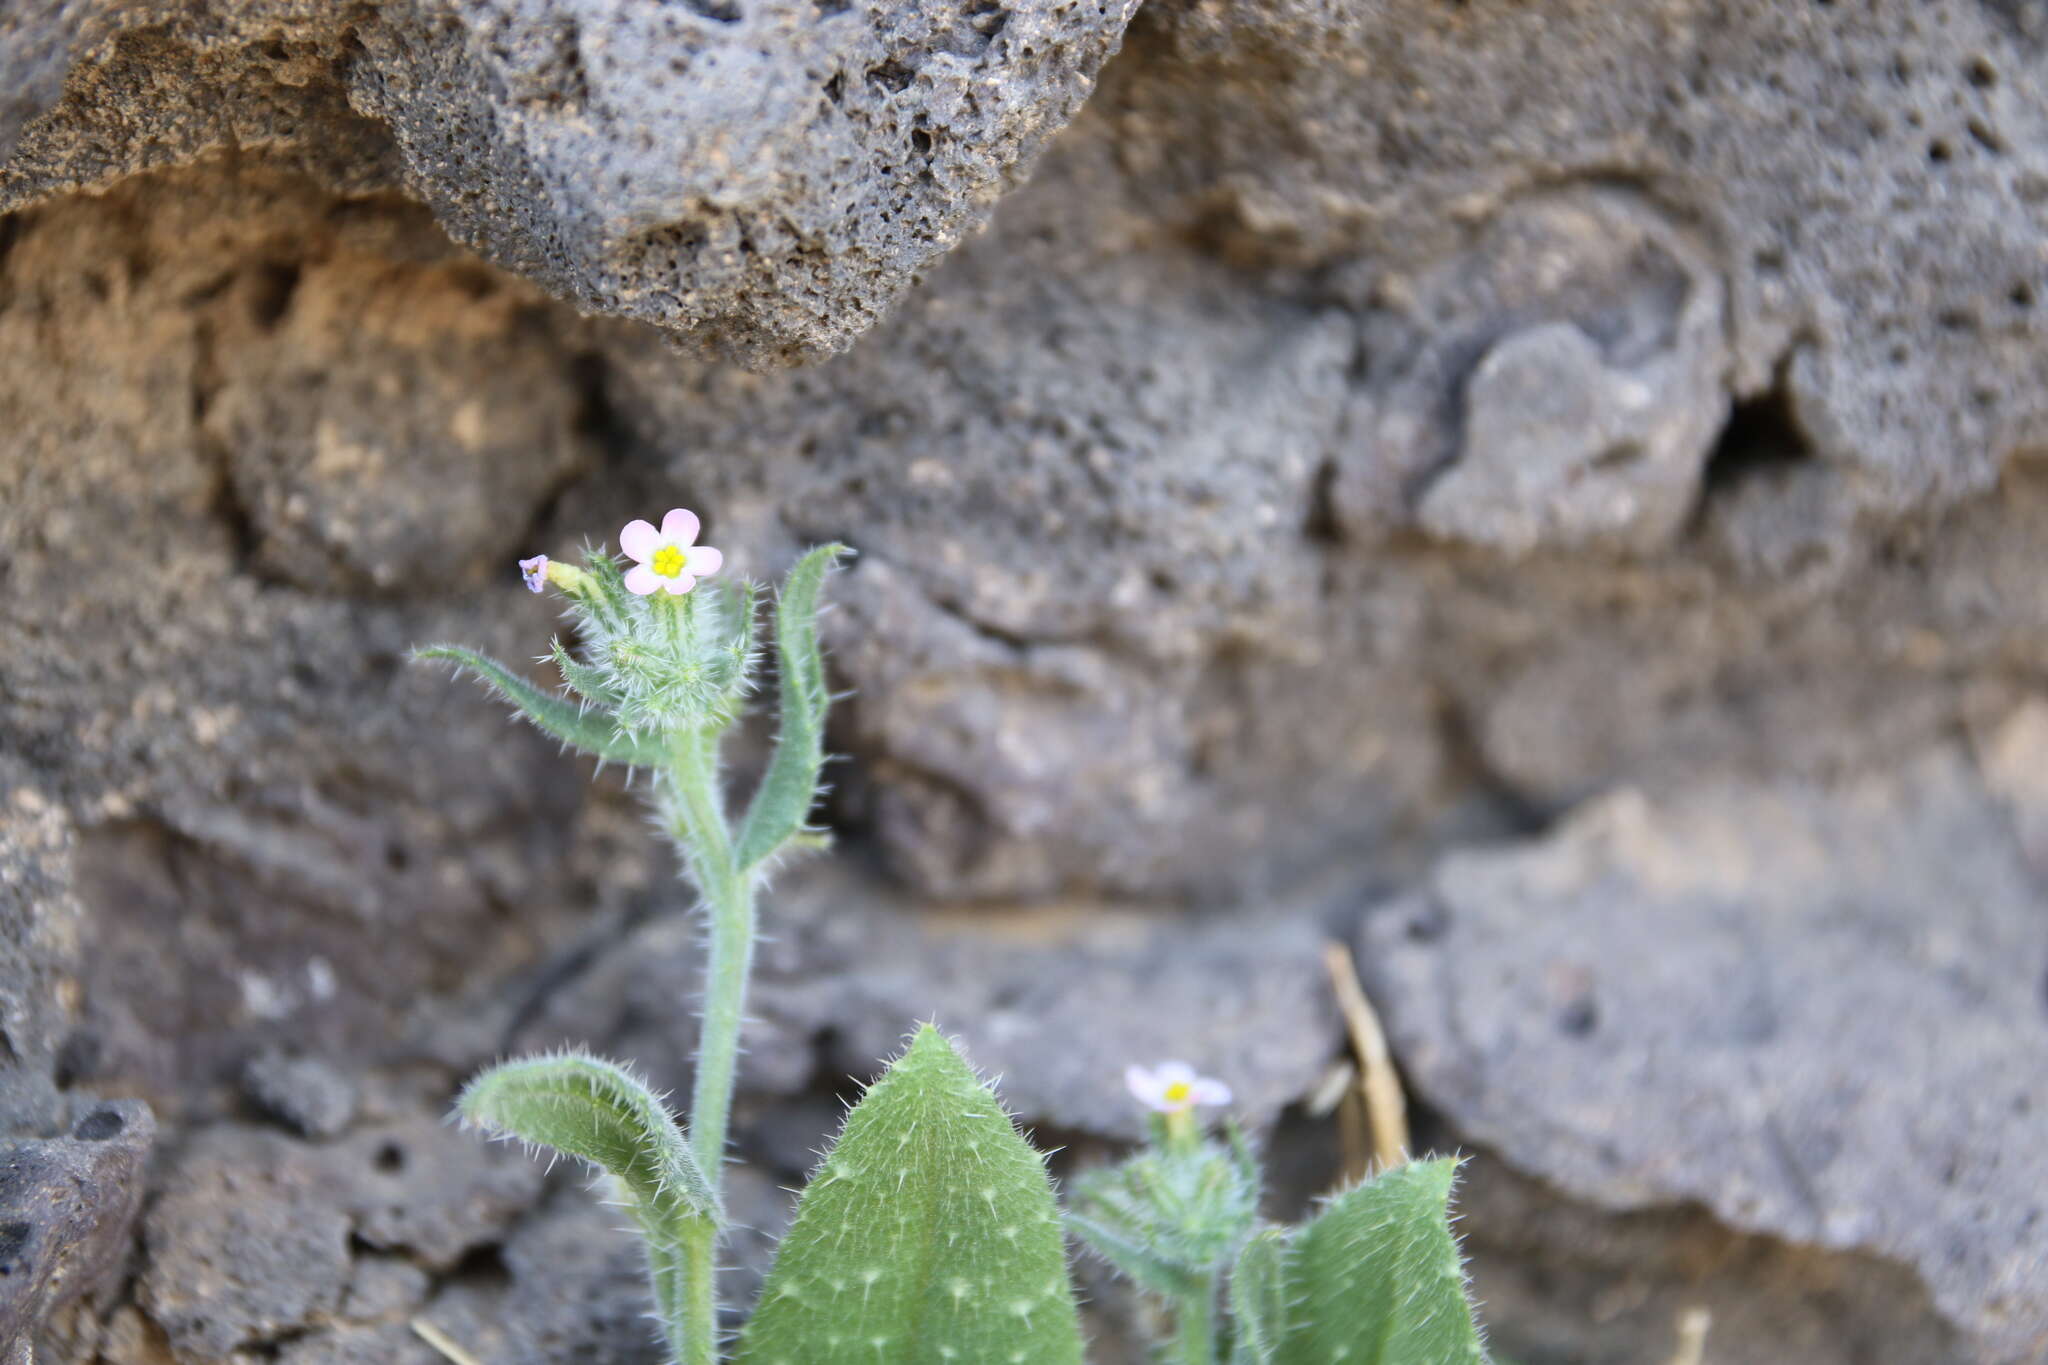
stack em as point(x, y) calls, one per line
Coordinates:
point(67, 1206)
point(1816, 1015)
point(1031, 998)
point(1362, 432)
point(761, 177)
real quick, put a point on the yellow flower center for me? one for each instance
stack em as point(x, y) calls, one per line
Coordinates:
point(1177, 1092)
point(668, 562)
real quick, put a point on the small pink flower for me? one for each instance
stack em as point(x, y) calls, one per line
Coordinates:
point(534, 571)
point(667, 559)
point(1174, 1087)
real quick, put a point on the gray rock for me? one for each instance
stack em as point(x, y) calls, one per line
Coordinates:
point(40, 922)
point(1810, 1012)
point(391, 1344)
point(250, 1239)
point(244, 1243)
point(1558, 381)
point(573, 1287)
point(811, 160)
point(1563, 1280)
point(305, 1094)
point(67, 1206)
point(384, 1288)
point(1207, 542)
point(1863, 183)
point(1043, 999)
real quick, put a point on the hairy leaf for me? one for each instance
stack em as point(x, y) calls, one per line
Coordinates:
point(783, 802)
point(1139, 1263)
point(599, 1113)
point(1376, 1278)
point(1258, 1298)
point(587, 682)
point(928, 1236)
point(591, 731)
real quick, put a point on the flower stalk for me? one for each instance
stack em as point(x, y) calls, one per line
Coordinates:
point(664, 666)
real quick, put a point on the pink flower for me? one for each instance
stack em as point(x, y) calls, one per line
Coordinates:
point(534, 571)
point(667, 559)
point(1174, 1088)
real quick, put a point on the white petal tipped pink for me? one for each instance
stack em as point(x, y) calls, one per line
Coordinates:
point(1174, 1087)
point(667, 559)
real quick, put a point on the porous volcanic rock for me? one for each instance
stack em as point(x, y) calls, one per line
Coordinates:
point(67, 1206)
point(763, 177)
point(1364, 432)
point(1816, 1014)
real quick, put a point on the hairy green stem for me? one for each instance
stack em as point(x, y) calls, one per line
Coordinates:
point(729, 962)
point(697, 1313)
point(670, 1269)
point(1194, 1324)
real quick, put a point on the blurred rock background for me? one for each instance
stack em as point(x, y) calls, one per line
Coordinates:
point(1554, 495)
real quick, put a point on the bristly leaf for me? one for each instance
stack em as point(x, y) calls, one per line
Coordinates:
point(1259, 1310)
point(589, 683)
point(928, 1236)
point(783, 802)
point(1376, 1279)
point(598, 1113)
point(1138, 1263)
point(591, 731)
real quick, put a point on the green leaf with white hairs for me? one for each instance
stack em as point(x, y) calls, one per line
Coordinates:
point(1376, 1278)
point(591, 684)
point(929, 1236)
point(601, 1114)
point(598, 1113)
point(1143, 1265)
point(1259, 1308)
point(782, 803)
point(591, 731)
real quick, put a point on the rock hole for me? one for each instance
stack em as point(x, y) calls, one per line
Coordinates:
point(920, 142)
point(1987, 137)
point(78, 1059)
point(891, 75)
point(99, 1126)
point(390, 1158)
point(1427, 925)
point(721, 11)
point(482, 1267)
point(1579, 1018)
point(828, 8)
point(474, 281)
point(1618, 456)
point(2021, 295)
point(835, 89)
point(1762, 435)
point(270, 293)
point(1939, 152)
point(1981, 72)
point(987, 19)
point(14, 1240)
